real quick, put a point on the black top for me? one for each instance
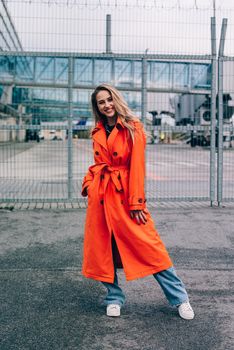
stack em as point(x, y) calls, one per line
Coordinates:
point(108, 129)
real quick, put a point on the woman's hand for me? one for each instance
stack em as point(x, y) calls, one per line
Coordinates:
point(139, 215)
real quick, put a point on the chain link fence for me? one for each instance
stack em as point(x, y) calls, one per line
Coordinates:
point(167, 59)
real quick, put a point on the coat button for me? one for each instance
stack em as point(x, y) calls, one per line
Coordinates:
point(101, 201)
point(115, 154)
point(102, 177)
point(97, 153)
point(140, 200)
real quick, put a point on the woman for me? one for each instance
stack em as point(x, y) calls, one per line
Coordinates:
point(119, 231)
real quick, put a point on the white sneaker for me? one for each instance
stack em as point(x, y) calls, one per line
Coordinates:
point(185, 311)
point(113, 310)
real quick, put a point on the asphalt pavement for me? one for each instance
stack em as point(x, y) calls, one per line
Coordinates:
point(47, 304)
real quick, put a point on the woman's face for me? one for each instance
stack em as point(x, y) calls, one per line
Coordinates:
point(105, 104)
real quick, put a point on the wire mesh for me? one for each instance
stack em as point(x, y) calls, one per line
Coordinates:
point(158, 53)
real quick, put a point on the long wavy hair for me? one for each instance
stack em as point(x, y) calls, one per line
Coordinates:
point(124, 112)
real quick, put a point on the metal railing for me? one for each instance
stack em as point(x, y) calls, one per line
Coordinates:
point(44, 155)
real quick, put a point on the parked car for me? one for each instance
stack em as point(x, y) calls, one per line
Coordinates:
point(41, 136)
point(56, 138)
point(32, 135)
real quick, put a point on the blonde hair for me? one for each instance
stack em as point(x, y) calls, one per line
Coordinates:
point(124, 112)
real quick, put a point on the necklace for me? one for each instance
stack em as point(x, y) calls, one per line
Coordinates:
point(109, 128)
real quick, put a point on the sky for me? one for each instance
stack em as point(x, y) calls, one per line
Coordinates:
point(158, 26)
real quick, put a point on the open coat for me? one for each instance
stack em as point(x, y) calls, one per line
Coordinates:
point(115, 185)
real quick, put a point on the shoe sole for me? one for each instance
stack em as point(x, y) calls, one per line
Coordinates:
point(112, 315)
point(187, 318)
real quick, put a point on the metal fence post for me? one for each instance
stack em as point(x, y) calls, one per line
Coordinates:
point(220, 113)
point(108, 33)
point(70, 119)
point(213, 110)
point(144, 91)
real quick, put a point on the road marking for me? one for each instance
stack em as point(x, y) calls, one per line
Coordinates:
point(151, 175)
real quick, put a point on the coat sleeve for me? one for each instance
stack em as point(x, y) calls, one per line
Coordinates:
point(137, 171)
point(86, 182)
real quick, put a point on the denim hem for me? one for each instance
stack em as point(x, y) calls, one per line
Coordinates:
point(148, 272)
point(113, 302)
point(179, 302)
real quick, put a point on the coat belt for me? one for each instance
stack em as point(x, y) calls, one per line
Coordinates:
point(112, 170)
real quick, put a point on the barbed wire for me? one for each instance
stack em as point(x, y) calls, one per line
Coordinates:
point(121, 4)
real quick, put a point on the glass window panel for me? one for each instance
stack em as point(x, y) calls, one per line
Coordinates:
point(7, 67)
point(201, 75)
point(1, 90)
point(61, 70)
point(180, 74)
point(44, 69)
point(51, 114)
point(123, 72)
point(47, 104)
point(159, 74)
point(83, 71)
point(102, 71)
point(56, 95)
point(24, 68)
point(19, 95)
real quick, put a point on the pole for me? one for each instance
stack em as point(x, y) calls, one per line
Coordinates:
point(214, 8)
point(70, 119)
point(108, 33)
point(220, 113)
point(144, 91)
point(213, 110)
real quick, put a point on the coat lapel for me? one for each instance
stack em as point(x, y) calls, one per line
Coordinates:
point(114, 133)
point(99, 135)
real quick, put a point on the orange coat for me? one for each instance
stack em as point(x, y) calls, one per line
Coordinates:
point(115, 185)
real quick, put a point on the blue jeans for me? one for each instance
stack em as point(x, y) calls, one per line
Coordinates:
point(168, 280)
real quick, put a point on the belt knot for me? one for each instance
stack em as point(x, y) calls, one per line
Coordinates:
point(113, 170)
